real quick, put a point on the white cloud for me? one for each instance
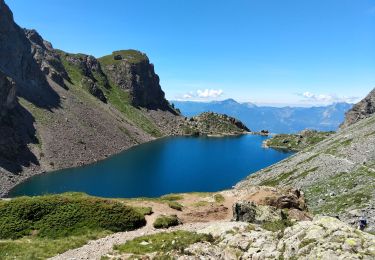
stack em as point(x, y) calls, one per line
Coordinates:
point(209, 93)
point(187, 96)
point(325, 98)
point(203, 94)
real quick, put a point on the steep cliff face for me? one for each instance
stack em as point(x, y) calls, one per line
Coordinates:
point(7, 94)
point(16, 59)
point(365, 108)
point(8, 143)
point(132, 71)
point(18, 71)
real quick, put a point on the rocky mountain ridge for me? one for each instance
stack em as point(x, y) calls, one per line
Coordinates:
point(365, 108)
point(60, 110)
point(283, 120)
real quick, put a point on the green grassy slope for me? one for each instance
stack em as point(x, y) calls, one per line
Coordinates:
point(40, 227)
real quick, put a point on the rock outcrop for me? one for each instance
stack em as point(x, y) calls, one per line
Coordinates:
point(46, 57)
point(210, 123)
point(321, 238)
point(86, 72)
point(364, 109)
point(132, 71)
point(248, 211)
point(296, 142)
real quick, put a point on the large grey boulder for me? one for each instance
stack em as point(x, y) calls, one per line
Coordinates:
point(248, 211)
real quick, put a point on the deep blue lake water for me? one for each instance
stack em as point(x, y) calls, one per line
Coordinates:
point(168, 165)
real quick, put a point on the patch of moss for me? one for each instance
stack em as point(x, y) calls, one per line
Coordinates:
point(306, 242)
point(162, 242)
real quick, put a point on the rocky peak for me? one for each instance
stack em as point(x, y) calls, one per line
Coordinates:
point(14, 48)
point(365, 108)
point(132, 71)
point(46, 57)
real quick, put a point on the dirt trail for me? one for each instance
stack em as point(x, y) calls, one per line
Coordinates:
point(199, 211)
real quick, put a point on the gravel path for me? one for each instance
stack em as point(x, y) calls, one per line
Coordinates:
point(96, 248)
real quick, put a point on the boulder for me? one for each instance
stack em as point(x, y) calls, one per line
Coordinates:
point(248, 211)
point(291, 199)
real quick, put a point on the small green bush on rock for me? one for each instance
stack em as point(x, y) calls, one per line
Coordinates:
point(166, 221)
point(175, 205)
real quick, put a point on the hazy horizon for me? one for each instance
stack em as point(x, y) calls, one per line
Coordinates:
point(259, 104)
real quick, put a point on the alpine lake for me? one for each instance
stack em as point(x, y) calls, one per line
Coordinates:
point(163, 166)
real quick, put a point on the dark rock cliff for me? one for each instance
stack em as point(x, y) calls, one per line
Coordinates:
point(18, 71)
point(46, 57)
point(132, 71)
point(7, 94)
point(365, 108)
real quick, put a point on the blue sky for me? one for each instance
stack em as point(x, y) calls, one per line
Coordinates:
point(268, 52)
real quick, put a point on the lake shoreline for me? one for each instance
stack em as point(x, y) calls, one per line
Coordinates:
point(126, 171)
point(28, 173)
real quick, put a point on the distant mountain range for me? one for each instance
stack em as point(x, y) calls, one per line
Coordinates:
point(274, 119)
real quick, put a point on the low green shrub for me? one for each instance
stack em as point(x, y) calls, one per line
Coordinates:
point(166, 221)
point(219, 198)
point(278, 225)
point(172, 197)
point(56, 216)
point(175, 205)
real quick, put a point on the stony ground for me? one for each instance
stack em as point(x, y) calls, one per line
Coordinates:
point(319, 238)
point(322, 238)
point(337, 175)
